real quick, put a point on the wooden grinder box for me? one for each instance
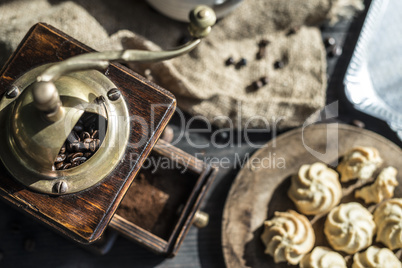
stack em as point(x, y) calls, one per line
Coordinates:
point(159, 207)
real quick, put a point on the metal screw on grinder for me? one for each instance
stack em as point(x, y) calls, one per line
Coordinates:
point(60, 187)
point(113, 94)
point(13, 92)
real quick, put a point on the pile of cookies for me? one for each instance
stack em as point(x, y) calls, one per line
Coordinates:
point(349, 227)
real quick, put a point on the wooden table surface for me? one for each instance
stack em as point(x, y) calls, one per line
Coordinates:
point(201, 248)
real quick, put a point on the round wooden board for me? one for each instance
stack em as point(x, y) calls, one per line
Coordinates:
point(261, 186)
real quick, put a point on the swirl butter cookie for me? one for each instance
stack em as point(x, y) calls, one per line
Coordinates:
point(288, 236)
point(375, 257)
point(349, 228)
point(315, 189)
point(359, 163)
point(388, 218)
point(382, 188)
point(323, 257)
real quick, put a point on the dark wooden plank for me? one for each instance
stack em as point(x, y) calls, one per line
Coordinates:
point(166, 149)
point(137, 234)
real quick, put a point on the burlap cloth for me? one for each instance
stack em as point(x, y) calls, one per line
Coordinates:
point(200, 80)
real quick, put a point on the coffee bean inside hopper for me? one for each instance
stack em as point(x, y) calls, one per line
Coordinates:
point(82, 142)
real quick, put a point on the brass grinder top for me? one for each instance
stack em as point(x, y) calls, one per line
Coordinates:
point(32, 138)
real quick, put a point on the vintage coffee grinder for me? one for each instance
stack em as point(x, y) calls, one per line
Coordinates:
point(77, 128)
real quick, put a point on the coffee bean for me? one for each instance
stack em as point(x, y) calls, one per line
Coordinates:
point(78, 128)
point(92, 146)
point(66, 166)
point(88, 140)
point(279, 64)
point(85, 135)
point(264, 80)
point(358, 123)
point(74, 155)
point(79, 154)
point(73, 147)
point(60, 158)
point(84, 146)
point(329, 41)
point(229, 61)
point(29, 244)
point(59, 165)
point(262, 48)
point(76, 159)
point(241, 63)
point(264, 43)
point(257, 84)
point(95, 135)
point(87, 155)
point(82, 160)
point(75, 164)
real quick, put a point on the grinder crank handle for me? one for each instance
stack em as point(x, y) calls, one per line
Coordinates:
point(46, 97)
